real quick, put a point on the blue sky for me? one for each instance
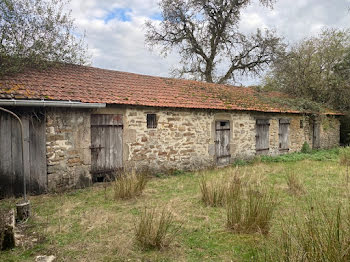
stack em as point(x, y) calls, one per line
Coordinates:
point(121, 14)
point(115, 29)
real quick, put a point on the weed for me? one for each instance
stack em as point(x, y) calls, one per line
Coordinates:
point(129, 185)
point(322, 234)
point(306, 149)
point(213, 192)
point(294, 184)
point(344, 158)
point(250, 210)
point(155, 231)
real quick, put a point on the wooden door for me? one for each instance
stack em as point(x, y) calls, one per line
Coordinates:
point(35, 168)
point(106, 145)
point(222, 148)
point(315, 134)
point(262, 136)
point(284, 135)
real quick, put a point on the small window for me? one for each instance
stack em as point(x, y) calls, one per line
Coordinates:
point(151, 121)
point(301, 123)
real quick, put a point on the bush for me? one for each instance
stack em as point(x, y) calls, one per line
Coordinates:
point(250, 210)
point(155, 231)
point(323, 234)
point(306, 149)
point(128, 186)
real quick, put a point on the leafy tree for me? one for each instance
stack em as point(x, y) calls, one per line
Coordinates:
point(317, 68)
point(37, 33)
point(205, 33)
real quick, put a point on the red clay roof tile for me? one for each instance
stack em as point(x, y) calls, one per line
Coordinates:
point(94, 85)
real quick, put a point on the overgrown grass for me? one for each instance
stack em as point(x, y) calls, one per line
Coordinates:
point(294, 183)
point(322, 234)
point(89, 225)
point(250, 210)
point(314, 155)
point(129, 185)
point(155, 230)
point(213, 192)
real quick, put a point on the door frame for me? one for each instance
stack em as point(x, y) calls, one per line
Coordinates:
point(216, 141)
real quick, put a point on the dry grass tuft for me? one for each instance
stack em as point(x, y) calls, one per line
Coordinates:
point(344, 159)
point(129, 185)
point(295, 186)
point(213, 192)
point(322, 234)
point(250, 210)
point(155, 230)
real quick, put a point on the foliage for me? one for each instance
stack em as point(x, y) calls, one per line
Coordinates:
point(314, 69)
point(250, 210)
point(155, 230)
point(322, 234)
point(37, 33)
point(206, 35)
point(306, 149)
point(306, 154)
point(315, 155)
point(129, 185)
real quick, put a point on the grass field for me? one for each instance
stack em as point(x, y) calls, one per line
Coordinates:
point(90, 225)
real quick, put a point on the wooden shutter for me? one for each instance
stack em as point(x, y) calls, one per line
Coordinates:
point(262, 136)
point(284, 134)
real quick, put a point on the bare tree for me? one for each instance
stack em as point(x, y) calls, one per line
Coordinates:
point(205, 33)
point(37, 33)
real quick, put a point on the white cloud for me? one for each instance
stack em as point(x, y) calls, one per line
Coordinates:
point(119, 45)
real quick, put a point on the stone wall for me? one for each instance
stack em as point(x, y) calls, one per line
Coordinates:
point(67, 147)
point(329, 132)
point(184, 139)
point(298, 134)
point(181, 140)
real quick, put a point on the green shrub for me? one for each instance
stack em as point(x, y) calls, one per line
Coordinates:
point(154, 230)
point(129, 185)
point(306, 149)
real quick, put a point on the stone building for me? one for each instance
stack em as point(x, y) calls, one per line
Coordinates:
point(83, 123)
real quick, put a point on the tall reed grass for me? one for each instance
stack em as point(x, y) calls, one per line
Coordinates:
point(155, 230)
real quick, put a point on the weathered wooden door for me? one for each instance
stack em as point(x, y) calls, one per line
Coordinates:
point(315, 134)
point(106, 145)
point(284, 135)
point(262, 136)
point(11, 175)
point(222, 141)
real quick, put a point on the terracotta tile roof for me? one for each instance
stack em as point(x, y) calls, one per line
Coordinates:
point(94, 85)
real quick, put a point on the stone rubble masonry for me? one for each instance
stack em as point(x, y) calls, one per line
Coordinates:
point(183, 140)
point(67, 147)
